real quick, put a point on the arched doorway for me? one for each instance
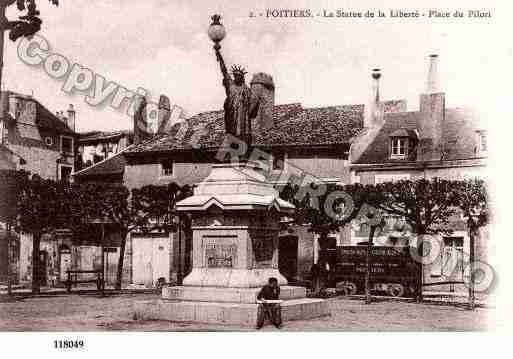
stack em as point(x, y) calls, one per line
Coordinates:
point(288, 256)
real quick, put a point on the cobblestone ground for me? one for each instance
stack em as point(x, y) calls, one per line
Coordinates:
point(92, 313)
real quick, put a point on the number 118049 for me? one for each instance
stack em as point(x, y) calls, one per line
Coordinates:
point(68, 344)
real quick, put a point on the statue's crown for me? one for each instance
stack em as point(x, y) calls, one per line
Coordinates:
point(238, 70)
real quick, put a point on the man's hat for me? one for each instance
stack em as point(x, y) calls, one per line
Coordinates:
point(238, 70)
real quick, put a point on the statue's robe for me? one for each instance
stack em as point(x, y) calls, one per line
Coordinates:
point(236, 110)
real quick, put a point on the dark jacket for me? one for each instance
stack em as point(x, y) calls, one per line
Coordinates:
point(268, 293)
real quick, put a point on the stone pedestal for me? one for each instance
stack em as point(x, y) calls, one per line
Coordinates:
point(235, 222)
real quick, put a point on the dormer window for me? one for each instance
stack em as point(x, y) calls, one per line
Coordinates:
point(402, 143)
point(167, 168)
point(399, 147)
point(278, 161)
point(482, 142)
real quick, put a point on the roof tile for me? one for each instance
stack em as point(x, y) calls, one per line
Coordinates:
point(293, 125)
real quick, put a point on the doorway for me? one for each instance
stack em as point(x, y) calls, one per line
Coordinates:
point(65, 262)
point(150, 259)
point(452, 260)
point(288, 257)
point(41, 270)
point(110, 258)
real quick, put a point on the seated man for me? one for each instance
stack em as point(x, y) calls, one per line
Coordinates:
point(269, 306)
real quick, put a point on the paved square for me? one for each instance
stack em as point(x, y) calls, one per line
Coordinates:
point(92, 313)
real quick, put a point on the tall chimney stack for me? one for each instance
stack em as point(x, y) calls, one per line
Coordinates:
point(432, 107)
point(432, 84)
point(373, 114)
point(71, 117)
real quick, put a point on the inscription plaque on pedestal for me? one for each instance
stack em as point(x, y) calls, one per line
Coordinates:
point(220, 255)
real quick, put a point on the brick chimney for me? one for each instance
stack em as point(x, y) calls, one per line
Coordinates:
point(432, 82)
point(71, 117)
point(374, 111)
point(432, 106)
point(262, 95)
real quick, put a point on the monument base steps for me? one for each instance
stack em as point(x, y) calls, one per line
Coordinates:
point(244, 314)
point(228, 295)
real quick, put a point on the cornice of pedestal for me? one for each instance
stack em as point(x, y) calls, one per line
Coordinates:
point(235, 186)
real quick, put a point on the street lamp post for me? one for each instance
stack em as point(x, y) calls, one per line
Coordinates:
point(179, 274)
point(473, 227)
point(216, 32)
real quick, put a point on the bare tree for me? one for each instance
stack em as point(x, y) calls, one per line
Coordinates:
point(28, 23)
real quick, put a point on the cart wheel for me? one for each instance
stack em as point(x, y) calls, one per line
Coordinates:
point(412, 289)
point(349, 288)
point(352, 288)
point(395, 290)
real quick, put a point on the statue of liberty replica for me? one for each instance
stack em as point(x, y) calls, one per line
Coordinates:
point(237, 111)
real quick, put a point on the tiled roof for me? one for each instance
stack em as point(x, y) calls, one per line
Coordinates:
point(377, 150)
point(26, 134)
point(403, 132)
point(293, 125)
point(315, 126)
point(46, 119)
point(114, 165)
point(458, 135)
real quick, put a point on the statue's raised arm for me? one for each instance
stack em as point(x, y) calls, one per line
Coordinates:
point(224, 70)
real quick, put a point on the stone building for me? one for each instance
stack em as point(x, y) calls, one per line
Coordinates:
point(41, 142)
point(38, 140)
point(435, 141)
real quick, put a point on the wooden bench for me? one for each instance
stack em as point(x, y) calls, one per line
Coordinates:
point(73, 274)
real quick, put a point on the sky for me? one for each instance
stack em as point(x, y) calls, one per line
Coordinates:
point(162, 46)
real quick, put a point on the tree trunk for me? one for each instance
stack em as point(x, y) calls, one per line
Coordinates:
point(471, 287)
point(323, 273)
point(102, 259)
point(420, 271)
point(368, 265)
point(36, 242)
point(122, 246)
point(9, 281)
point(3, 21)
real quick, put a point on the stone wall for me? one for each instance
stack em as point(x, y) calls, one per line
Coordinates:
point(139, 175)
point(38, 160)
